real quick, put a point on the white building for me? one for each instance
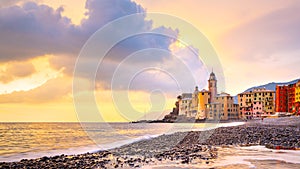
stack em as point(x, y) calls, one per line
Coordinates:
point(185, 104)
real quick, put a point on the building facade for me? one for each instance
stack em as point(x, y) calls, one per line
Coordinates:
point(287, 98)
point(185, 104)
point(245, 105)
point(281, 102)
point(212, 86)
point(223, 108)
point(267, 98)
point(256, 103)
point(207, 104)
point(194, 104)
point(297, 98)
point(258, 109)
point(291, 98)
point(204, 99)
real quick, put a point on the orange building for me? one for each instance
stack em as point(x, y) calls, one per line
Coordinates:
point(281, 101)
point(291, 98)
point(297, 97)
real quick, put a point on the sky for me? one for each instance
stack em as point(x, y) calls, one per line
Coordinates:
point(46, 76)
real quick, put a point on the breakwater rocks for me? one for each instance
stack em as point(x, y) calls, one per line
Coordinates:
point(195, 147)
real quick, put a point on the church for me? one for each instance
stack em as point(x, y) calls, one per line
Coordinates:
point(208, 104)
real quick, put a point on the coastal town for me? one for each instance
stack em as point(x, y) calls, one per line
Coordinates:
point(258, 103)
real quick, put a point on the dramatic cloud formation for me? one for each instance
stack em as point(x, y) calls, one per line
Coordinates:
point(33, 30)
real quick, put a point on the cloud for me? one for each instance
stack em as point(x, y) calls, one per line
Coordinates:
point(21, 69)
point(15, 70)
point(32, 30)
point(263, 37)
point(49, 91)
point(7, 3)
point(100, 12)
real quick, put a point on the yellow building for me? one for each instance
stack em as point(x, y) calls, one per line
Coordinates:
point(203, 100)
point(267, 98)
point(297, 98)
point(245, 100)
point(223, 108)
point(297, 92)
point(194, 104)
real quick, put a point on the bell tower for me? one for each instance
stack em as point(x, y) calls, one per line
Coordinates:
point(212, 86)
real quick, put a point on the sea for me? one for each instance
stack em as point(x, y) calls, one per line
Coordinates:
point(33, 140)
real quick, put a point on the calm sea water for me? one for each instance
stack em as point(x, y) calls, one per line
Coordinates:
point(33, 140)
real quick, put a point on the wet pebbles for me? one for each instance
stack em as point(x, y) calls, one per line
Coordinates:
point(180, 148)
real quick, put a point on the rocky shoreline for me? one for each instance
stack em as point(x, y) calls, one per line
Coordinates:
point(194, 147)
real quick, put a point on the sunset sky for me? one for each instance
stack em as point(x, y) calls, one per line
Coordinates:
point(256, 41)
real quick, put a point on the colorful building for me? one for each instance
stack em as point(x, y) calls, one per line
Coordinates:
point(208, 104)
point(267, 98)
point(281, 102)
point(185, 104)
point(297, 92)
point(245, 105)
point(204, 99)
point(297, 97)
point(256, 103)
point(223, 108)
point(288, 98)
point(212, 86)
point(194, 104)
point(257, 110)
point(291, 98)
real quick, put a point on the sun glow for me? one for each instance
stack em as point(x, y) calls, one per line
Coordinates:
point(41, 72)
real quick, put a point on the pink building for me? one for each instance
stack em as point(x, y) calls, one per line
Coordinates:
point(258, 109)
point(246, 112)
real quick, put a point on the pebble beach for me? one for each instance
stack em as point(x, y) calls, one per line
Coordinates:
point(187, 149)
